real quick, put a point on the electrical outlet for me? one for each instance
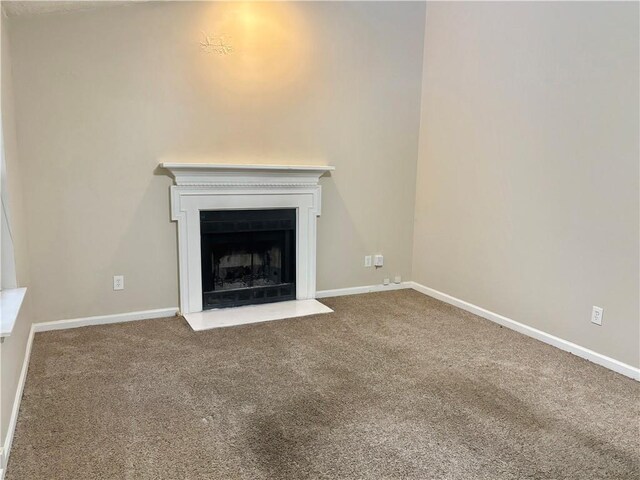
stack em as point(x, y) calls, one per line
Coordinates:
point(596, 315)
point(386, 281)
point(398, 279)
point(378, 260)
point(367, 261)
point(118, 282)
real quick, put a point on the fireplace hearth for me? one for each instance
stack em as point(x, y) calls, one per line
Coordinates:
point(248, 257)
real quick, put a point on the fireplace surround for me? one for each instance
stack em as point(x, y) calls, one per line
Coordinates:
point(208, 187)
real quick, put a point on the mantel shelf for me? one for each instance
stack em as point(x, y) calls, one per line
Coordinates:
point(224, 173)
point(230, 167)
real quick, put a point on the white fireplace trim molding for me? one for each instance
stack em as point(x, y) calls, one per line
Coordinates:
point(208, 186)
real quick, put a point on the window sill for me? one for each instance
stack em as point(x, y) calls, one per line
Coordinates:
point(10, 302)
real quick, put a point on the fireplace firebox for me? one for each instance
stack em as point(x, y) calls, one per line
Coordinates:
point(248, 257)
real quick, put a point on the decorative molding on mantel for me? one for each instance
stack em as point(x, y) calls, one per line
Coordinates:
point(214, 186)
point(228, 175)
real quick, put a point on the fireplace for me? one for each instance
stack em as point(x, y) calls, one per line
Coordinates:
point(246, 235)
point(248, 257)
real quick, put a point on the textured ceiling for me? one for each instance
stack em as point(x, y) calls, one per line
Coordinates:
point(16, 8)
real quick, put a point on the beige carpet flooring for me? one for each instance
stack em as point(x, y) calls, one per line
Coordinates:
point(392, 385)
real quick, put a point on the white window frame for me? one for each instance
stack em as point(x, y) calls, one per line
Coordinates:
point(8, 277)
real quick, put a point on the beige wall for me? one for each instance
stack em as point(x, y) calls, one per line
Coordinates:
point(527, 173)
point(527, 192)
point(103, 96)
point(12, 349)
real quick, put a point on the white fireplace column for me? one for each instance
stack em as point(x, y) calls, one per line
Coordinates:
point(208, 186)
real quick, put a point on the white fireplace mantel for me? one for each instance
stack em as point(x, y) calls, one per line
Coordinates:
point(221, 173)
point(213, 186)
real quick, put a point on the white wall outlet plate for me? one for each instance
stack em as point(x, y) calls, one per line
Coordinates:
point(397, 279)
point(378, 260)
point(118, 282)
point(596, 315)
point(367, 261)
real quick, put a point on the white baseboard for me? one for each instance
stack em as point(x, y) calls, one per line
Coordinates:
point(595, 357)
point(339, 292)
point(105, 319)
point(6, 446)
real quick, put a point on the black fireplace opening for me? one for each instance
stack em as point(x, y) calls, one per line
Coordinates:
point(248, 257)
